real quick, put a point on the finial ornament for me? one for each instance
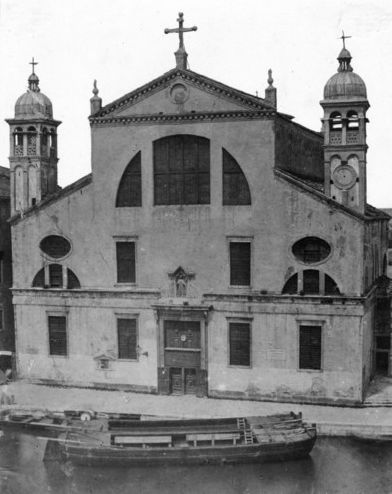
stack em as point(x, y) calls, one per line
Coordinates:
point(181, 54)
point(33, 63)
point(95, 101)
point(95, 89)
point(270, 79)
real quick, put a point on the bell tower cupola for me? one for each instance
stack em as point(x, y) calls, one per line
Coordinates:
point(345, 105)
point(33, 147)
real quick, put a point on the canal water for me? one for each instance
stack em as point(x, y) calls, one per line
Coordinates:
point(335, 466)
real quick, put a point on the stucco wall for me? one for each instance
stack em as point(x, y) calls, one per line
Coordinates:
point(195, 237)
point(274, 372)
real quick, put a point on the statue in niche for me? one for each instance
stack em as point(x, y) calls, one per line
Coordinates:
point(181, 287)
point(180, 279)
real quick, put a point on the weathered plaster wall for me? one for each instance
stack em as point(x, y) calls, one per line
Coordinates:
point(91, 331)
point(275, 373)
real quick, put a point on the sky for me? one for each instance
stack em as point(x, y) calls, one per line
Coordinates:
point(122, 44)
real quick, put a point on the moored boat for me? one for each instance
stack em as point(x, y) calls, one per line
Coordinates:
point(229, 440)
point(51, 423)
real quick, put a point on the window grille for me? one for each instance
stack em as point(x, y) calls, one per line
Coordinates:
point(129, 192)
point(182, 170)
point(235, 186)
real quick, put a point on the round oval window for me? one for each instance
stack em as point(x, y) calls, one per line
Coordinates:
point(311, 250)
point(55, 246)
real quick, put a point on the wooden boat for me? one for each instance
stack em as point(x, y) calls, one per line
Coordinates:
point(51, 423)
point(229, 440)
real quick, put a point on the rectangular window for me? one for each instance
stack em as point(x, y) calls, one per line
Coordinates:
point(240, 263)
point(55, 275)
point(126, 269)
point(57, 335)
point(310, 347)
point(239, 343)
point(127, 338)
point(1, 319)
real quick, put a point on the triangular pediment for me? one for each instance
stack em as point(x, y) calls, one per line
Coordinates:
point(182, 91)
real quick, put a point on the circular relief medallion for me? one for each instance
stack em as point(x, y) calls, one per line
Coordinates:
point(344, 177)
point(179, 93)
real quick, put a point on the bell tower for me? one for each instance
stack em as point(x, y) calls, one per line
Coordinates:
point(344, 127)
point(33, 148)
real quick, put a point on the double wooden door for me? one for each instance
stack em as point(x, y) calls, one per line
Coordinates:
point(182, 355)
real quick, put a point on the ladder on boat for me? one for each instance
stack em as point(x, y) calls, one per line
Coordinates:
point(247, 432)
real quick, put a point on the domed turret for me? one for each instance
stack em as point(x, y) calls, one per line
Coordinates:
point(345, 84)
point(33, 103)
point(33, 148)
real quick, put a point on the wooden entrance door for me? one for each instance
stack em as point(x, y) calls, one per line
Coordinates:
point(182, 355)
point(183, 380)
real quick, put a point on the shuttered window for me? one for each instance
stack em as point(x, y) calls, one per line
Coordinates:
point(235, 186)
point(127, 338)
point(239, 342)
point(129, 192)
point(182, 170)
point(126, 269)
point(57, 335)
point(310, 347)
point(240, 263)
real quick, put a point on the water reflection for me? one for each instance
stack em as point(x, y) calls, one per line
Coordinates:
point(335, 466)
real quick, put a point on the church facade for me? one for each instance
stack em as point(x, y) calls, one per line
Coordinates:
point(218, 247)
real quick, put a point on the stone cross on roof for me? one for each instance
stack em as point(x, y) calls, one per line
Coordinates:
point(344, 37)
point(181, 54)
point(33, 64)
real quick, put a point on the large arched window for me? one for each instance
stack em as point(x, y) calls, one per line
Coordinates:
point(182, 170)
point(310, 282)
point(235, 186)
point(129, 192)
point(58, 276)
